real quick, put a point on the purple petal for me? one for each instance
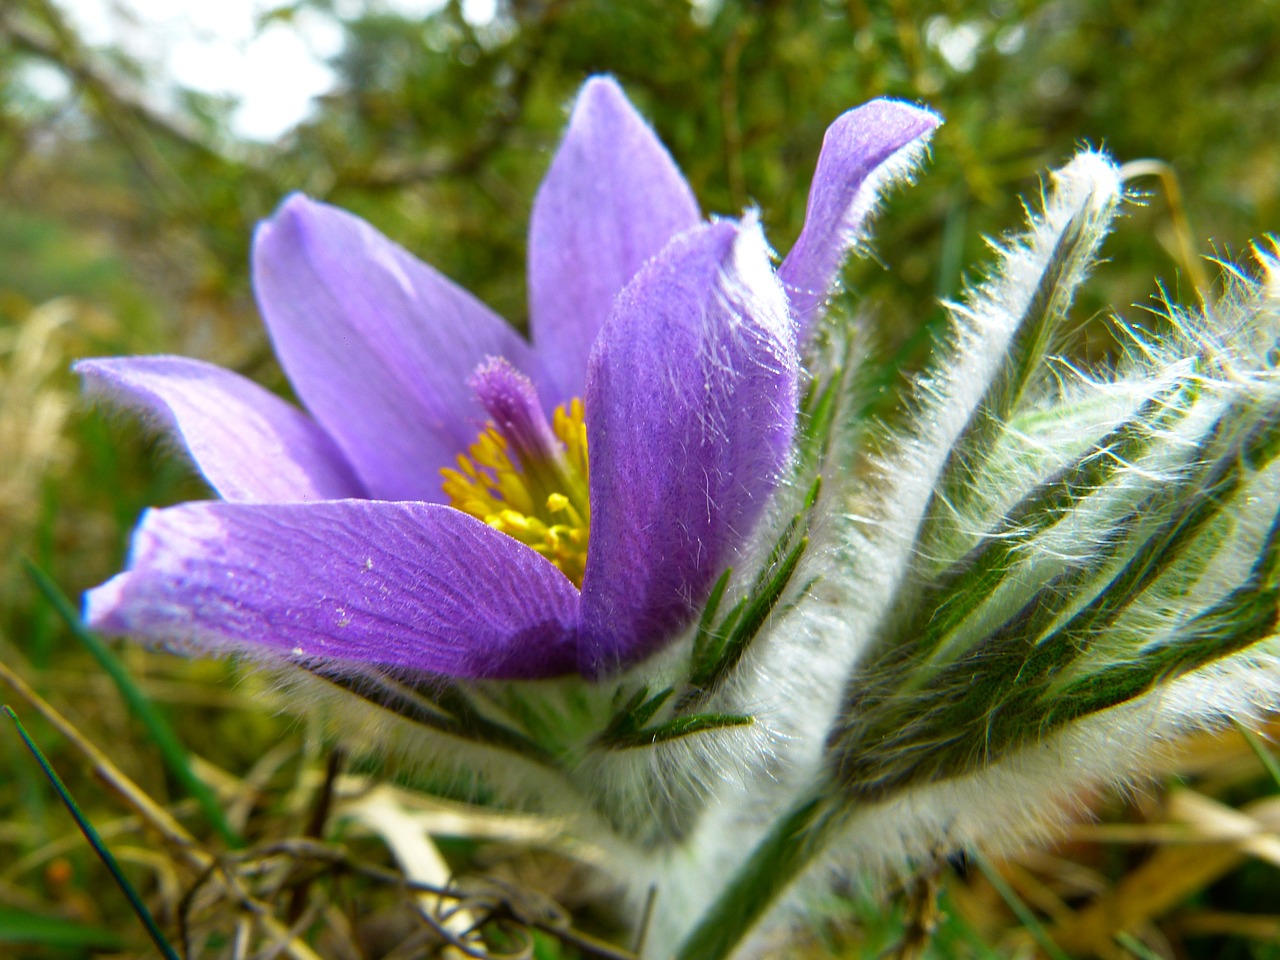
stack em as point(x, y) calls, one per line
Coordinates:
point(691, 404)
point(378, 345)
point(414, 586)
point(863, 150)
point(611, 200)
point(249, 444)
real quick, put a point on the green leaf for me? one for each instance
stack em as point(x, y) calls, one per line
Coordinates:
point(676, 728)
point(914, 719)
point(961, 589)
point(636, 713)
point(747, 619)
point(1073, 249)
point(439, 706)
point(704, 634)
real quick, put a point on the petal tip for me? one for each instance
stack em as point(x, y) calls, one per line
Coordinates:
point(289, 219)
point(926, 117)
point(894, 123)
point(296, 203)
point(602, 105)
point(89, 369)
point(102, 604)
point(601, 91)
point(108, 378)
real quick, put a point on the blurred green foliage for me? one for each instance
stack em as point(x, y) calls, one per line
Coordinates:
point(439, 130)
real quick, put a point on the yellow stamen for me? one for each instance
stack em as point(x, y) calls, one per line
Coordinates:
point(543, 505)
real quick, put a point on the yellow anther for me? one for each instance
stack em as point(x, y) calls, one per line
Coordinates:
point(545, 507)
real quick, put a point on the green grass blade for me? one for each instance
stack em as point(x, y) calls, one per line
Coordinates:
point(1266, 756)
point(95, 841)
point(1020, 909)
point(172, 752)
point(31, 929)
point(1137, 947)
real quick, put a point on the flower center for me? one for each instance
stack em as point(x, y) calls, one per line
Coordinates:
point(523, 476)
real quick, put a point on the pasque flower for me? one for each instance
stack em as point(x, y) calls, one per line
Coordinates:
point(458, 500)
point(886, 639)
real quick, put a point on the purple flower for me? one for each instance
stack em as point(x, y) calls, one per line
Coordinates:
point(435, 509)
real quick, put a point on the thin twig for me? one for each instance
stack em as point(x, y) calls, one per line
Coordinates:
point(316, 826)
point(111, 92)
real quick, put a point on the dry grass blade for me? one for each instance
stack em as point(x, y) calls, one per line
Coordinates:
point(134, 796)
point(155, 816)
point(413, 849)
point(1251, 926)
point(33, 410)
point(1223, 839)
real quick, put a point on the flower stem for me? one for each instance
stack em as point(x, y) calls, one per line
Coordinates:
point(789, 847)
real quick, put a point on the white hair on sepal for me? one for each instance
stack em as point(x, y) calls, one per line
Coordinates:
point(789, 679)
point(945, 397)
point(368, 728)
point(1267, 254)
point(1031, 796)
point(1029, 793)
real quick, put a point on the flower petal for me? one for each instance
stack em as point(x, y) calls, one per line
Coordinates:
point(611, 200)
point(415, 586)
point(249, 444)
point(864, 149)
point(378, 345)
point(691, 405)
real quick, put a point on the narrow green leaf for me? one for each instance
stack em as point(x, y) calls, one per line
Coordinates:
point(814, 434)
point(791, 844)
point(705, 665)
point(95, 841)
point(704, 633)
point(172, 752)
point(916, 725)
point(636, 713)
point(815, 491)
point(749, 616)
point(644, 713)
point(475, 725)
point(678, 727)
point(933, 614)
point(1240, 620)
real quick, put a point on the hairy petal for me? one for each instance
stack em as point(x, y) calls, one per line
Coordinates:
point(863, 151)
point(611, 200)
point(250, 445)
point(691, 404)
point(413, 586)
point(378, 345)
